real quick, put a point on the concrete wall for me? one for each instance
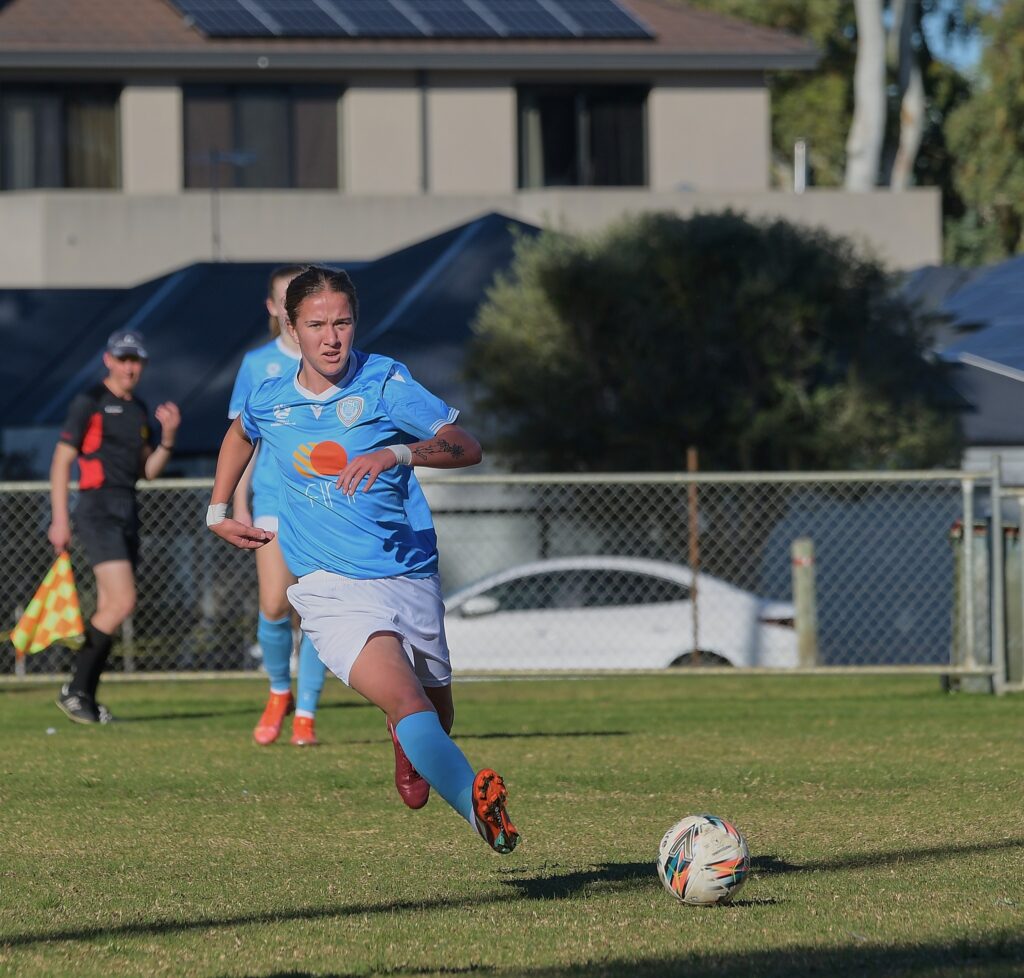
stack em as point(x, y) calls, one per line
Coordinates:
point(151, 139)
point(382, 137)
point(86, 238)
point(707, 136)
point(472, 136)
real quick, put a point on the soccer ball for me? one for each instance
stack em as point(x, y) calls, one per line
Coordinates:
point(703, 859)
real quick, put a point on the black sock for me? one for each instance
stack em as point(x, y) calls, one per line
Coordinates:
point(90, 660)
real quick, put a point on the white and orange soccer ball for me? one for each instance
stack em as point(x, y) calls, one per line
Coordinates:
point(703, 859)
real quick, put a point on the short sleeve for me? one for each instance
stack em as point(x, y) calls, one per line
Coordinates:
point(248, 420)
point(412, 407)
point(243, 385)
point(80, 411)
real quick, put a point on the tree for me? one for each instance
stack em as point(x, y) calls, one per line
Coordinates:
point(766, 345)
point(986, 135)
point(869, 111)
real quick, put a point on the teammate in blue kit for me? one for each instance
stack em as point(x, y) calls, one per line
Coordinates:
point(277, 358)
point(345, 430)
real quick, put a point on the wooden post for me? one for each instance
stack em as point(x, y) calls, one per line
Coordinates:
point(805, 600)
point(692, 466)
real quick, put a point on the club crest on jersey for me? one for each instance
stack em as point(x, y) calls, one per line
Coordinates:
point(349, 410)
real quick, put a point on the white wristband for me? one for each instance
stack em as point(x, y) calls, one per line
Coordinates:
point(216, 513)
point(403, 454)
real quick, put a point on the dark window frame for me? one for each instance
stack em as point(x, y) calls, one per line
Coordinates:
point(232, 93)
point(66, 95)
point(584, 96)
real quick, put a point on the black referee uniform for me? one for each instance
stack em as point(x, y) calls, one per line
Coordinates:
point(109, 434)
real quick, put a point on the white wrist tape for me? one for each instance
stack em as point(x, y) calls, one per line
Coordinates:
point(402, 453)
point(216, 513)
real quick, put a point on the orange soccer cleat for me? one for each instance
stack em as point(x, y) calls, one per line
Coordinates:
point(411, 785)
point(269, 728)
point(492, 821)
point(303, 732)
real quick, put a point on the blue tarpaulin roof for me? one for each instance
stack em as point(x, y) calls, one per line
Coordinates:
point(416, 305)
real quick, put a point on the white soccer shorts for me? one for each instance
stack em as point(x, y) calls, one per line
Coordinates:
point(340, 613)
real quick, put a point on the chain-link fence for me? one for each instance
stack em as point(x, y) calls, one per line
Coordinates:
point(587, 572)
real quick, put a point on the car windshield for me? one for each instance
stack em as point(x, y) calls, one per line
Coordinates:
point(584, 588)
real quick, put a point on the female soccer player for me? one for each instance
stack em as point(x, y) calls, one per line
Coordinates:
point(277, 358)
point(345, 431)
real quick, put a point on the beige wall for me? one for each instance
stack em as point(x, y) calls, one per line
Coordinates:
point(705, 137)
point(151, 139)
point(472, 137)
point(382, 138)
point(85, 238)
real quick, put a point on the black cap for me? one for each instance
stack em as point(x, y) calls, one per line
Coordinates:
point(126, 343)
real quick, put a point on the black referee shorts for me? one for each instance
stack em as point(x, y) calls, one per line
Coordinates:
point(106, 522)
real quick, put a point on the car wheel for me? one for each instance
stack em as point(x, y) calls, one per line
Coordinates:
point(691, 660)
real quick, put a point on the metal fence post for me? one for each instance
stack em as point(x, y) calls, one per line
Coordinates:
point(1015, 653)
point(805, 601)
point(998, 609)
point(970, 653)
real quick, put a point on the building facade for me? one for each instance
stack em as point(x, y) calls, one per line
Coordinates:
point(137, 136)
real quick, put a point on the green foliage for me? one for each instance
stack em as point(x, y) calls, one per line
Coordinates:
point(768, 346)
point(817, 105)
point(986, 135)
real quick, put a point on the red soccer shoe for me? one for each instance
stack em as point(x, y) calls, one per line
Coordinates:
point(492, 821)
point(411, 785)
point(269, 728)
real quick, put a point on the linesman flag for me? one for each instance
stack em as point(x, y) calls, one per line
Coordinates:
point(53, 612)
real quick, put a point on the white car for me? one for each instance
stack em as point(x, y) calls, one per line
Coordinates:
point(612, 613)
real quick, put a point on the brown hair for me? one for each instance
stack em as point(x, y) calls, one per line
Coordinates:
point(282, 271)
point(314, 279)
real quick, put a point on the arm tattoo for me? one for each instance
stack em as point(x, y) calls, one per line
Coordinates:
point(439, 445)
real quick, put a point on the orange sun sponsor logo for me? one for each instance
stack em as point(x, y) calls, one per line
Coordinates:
point(320, 458)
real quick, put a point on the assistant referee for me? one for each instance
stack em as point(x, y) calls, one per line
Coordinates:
point(107, 431)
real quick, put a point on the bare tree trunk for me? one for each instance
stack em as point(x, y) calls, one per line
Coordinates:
point(912, 99)
point(867, 131)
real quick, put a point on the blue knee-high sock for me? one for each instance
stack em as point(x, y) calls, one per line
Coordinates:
point(435, 755)
point(311, 678)
point(275, 638)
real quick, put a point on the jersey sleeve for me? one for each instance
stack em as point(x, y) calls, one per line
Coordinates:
point(412, 407)
point(248, 419)
point(243, 385)
point(80, 411)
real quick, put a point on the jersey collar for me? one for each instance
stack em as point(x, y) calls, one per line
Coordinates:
point(350, 370)
point(291, 354)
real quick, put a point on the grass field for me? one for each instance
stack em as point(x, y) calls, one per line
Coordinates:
point(884, 819)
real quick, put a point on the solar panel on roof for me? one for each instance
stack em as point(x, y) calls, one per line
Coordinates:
point(602, 18)
point(413, 18)
point(374, 18)
point(223, 18)
point(452, 18)
point(304, 18)
point(526, 18)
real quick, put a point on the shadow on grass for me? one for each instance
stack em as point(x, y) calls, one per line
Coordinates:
point(616, 877)
point(555, 734)
point(997, 955)
point(253, 710)
point(620, 875)
point(771, 865)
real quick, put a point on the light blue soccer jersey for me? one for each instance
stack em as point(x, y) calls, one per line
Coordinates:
point(310, 438)
point(273, 359)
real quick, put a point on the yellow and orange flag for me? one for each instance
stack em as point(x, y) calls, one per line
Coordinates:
point(53, 612)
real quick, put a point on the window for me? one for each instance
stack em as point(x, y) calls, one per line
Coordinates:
point(590, 137)
point(267, 136)
point(585, 588)
point(56, 137)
